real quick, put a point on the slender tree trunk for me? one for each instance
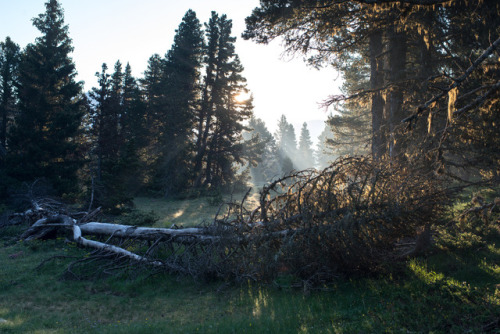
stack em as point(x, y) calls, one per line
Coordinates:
point(208, 112)
point(202, 148)
point(3, 129)
point(204, 124)
point(379, 135)
point(210, 160)
point(397, 62)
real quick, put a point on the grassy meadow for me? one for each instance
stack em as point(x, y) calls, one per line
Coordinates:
point(190, 212)
point(455, 288)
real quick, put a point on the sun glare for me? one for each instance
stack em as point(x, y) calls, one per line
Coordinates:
point(242, 97)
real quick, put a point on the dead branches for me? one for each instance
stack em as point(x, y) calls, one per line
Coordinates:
point(457, 83)
point(312, 225)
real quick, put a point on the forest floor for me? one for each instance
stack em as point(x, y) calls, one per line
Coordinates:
point(446, 291)
point(191, 212)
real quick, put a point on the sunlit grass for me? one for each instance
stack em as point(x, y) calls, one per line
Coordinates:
point(446, 292)
point(189, 212)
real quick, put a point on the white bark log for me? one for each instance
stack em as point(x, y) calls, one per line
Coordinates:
point(187, 235)
point(66, 222)
point(147, 233)
point(77, 236)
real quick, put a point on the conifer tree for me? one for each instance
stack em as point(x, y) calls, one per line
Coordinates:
point(133, 108)
point(43, 140)
point(9, 71)
point(266, 166)
point(152, 89)
point(305, 150)
point(219, 141)
point(9, 66)
point(103, 152)
point(181, 76)
point(132, 133)
point(422, 58)
point(286, 143)
point(324, 151)
point(116, 106)
point(352, 123)
point(205, 115)
point(100, 120)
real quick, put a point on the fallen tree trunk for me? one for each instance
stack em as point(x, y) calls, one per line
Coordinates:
point(351, 217)
point(185, 235)
point(46, 226)
point(77, 237)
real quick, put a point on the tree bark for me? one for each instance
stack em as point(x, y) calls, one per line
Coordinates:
point(379, 135)
point(185, 235)
point(397, 63)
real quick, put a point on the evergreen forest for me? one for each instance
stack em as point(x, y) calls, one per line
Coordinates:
point(389, 221)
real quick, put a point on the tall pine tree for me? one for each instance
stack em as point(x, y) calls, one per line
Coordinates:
point(132, 132)
point(324, 152)
point(152, 90)
point(43, 140)
point(267, 165)
point(286, 142)
point(220, 118)
point(181, 91)
point(9, 67)
point(305, 150)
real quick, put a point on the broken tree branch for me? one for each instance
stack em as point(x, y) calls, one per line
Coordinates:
point(457, 82)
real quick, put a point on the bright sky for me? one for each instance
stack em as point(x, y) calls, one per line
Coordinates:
point(132, 31)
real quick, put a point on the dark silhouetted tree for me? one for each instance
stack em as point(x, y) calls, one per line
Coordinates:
point(220, 119)
point(43, 139)
point(9, 67)
point(181, 92)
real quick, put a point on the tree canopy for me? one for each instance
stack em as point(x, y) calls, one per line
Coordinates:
point(429, 67)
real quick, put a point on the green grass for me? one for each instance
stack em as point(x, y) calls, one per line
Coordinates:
point(455, 289)
point(189, 212)
point(444, 293)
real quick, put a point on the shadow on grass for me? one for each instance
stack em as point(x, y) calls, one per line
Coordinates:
point(447, 292)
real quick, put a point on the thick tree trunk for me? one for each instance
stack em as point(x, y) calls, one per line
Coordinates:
point(49, 227)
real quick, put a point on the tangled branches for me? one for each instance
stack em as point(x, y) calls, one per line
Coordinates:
point(351, 217)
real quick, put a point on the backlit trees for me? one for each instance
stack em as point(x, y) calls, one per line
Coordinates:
point(431, 69)
point(43, 138)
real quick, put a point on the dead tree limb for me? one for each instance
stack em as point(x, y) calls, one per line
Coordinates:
point(457, 83)
point(314, 225)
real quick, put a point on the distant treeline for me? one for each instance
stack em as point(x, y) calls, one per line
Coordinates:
point(176, 131)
